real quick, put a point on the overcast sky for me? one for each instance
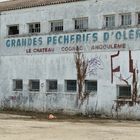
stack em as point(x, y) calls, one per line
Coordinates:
point(3, 0)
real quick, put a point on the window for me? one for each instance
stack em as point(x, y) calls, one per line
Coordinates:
point(126, 19)
point(57, 26)
point(71, 85)
point(51, 85)
point(34, 27)
point(17, 85)
point(110, 21)
point(90, 85)
point(138, 18)
point(81, 23)
point(34, 85)
point(124, 91)
point(13, 30)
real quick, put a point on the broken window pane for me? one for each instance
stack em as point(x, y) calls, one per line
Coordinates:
point(34, 28)
point(13, 30)
point(81, 23)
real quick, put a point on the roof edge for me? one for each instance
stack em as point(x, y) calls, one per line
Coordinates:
point(8, 6)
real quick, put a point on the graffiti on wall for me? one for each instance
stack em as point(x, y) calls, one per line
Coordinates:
point(16, 100)
point(94, 65)
point(20, 99)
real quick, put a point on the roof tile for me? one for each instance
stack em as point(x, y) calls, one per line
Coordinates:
point(20, 4)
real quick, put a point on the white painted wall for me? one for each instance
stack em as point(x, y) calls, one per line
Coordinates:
point(16, 64)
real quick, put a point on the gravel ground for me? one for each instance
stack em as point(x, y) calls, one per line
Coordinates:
point(17, 127)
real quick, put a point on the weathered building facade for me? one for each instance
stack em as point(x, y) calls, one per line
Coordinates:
point(37, 66)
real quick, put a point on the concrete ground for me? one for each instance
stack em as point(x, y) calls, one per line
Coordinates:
point(15, 127)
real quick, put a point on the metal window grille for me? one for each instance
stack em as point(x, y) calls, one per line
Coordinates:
point(81, 23)
point(56, 26)
point(34, 28)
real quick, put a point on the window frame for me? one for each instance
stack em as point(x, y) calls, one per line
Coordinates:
point(95, 85)
point(125, 21)
point(79, 23)
point(138, 18)
point(9, 32)
point(31, 85)
point(48, 82)
point(15, 85)
point(34, 28)
point(56, 26)
point(123, 96)
point(70, 90)
point(111, 22)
